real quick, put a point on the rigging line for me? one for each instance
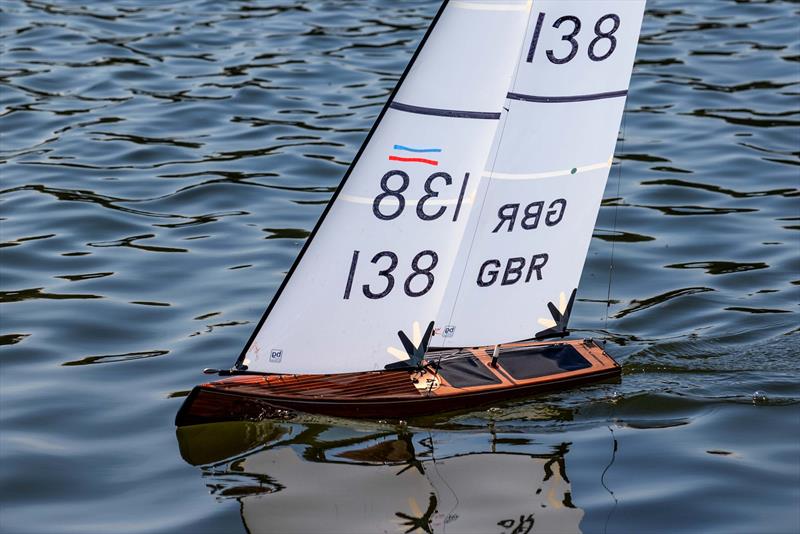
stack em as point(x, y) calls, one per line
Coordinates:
point(603, 475)
point(488, 185)
point(455, 495)
point(614, 230)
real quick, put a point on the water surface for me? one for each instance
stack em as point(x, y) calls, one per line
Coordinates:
point(162, 164)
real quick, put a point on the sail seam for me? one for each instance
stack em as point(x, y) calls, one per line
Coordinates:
point(566, 99)
point(439, 112)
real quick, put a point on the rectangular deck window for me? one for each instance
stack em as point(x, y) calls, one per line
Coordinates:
point(532, 362)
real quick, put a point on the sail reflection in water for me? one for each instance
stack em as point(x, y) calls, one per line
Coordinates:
point(295, 478)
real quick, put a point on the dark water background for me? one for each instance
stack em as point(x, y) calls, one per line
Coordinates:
point(162, 164)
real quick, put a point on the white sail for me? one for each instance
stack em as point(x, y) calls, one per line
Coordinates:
point(381, 256)
point(544, 180)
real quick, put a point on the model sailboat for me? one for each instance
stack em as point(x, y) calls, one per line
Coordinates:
point(463, 223)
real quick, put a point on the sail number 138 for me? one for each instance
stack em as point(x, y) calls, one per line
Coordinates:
point(604, 30)
point(416, 283)
point(391, 202)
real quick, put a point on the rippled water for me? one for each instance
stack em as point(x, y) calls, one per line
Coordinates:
point(162, 164)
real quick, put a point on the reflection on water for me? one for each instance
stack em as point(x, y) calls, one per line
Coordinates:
point(321, 477)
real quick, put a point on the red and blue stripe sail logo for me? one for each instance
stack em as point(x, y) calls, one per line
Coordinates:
point(407, 159)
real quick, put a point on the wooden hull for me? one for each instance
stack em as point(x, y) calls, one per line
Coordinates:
point(464, 381)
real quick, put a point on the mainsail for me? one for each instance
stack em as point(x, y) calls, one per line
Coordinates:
point(383, 251)
point(523, 253)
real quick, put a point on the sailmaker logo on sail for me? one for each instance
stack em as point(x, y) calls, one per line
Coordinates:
point(407, 159)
